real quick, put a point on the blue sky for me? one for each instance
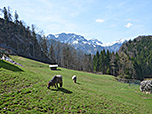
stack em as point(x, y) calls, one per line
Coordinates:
point(105, 20)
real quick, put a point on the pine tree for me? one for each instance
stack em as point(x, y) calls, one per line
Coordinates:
point(5, 13)
point(104, 62)
point(16, 16)
point(9, 14)
point(96, 62)
point(107, 64)
point(34, 40)
point(101, 59)
point(33, 31)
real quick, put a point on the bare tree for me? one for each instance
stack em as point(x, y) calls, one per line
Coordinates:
point(52, 53)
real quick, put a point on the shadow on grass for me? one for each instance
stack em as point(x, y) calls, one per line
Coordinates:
point(62, 90)
point(9, 66)
point(56, 69)
point(78, 83)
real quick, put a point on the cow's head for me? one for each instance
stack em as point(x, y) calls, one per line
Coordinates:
point(49, 84)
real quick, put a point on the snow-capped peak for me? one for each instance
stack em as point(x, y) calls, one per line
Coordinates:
point(115, 42)
point(88, 46)
point(95, 42)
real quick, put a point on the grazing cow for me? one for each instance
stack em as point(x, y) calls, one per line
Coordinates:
point(55, 80)
point(74, 78)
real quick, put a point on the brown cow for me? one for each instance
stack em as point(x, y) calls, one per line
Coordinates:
point(55, 80)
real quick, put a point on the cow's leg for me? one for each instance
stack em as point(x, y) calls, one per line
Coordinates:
point(60, 84)
point(55, 85)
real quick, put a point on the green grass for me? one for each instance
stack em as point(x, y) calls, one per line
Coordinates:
point(24, 90)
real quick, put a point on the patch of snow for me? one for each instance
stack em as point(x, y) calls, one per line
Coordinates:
point(98, 43)
point(115, 42)
point(56, 35)
point(74, 36)
point(84, 42)
point(75, 42)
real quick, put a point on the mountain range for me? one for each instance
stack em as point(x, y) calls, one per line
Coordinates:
point(88, 46)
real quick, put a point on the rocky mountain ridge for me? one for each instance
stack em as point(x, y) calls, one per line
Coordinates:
point(88, 46)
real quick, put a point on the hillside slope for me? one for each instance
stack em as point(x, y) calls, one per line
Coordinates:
point(18, 39)
point(24, 90)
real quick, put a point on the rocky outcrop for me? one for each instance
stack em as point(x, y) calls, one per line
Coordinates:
point(10, 60)
point(146, 86)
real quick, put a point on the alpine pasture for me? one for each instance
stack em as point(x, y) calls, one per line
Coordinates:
point(24, 90)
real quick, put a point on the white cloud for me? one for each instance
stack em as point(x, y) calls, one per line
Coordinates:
point(128, 25)
point(99, 20)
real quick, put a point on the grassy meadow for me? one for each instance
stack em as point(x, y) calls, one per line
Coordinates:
point(24, 90)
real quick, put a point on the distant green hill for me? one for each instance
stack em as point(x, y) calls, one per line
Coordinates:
point(24, 90)
point(139, 52)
